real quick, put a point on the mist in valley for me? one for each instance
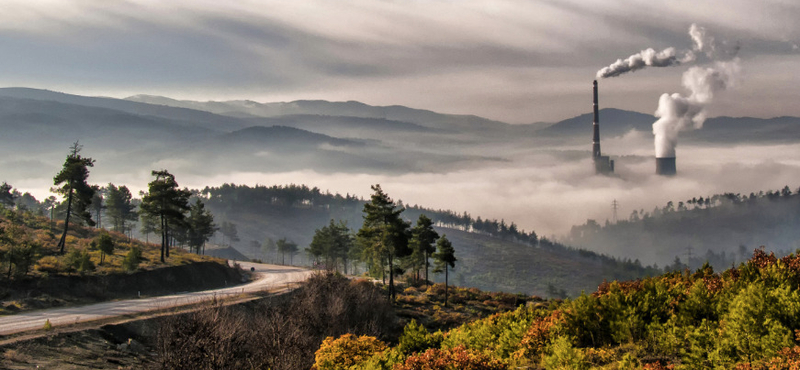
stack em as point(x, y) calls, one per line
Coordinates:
point(543, 183)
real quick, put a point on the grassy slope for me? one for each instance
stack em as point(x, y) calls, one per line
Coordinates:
point(485, 262)
point(50, 282)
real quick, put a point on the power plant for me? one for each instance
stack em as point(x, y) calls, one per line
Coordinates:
point(603, 165)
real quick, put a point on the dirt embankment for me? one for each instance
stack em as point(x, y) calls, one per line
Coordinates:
point(61, 290)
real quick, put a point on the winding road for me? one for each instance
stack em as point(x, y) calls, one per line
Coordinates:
point(268, 277)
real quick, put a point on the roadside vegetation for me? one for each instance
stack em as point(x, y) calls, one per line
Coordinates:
point(39, 253)
point(284, 332)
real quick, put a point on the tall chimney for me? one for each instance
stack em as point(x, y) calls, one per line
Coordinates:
point(596, 126)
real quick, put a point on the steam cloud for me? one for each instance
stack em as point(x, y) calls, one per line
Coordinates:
point(679, 113)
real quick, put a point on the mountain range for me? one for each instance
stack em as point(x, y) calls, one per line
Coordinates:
point(216, 139)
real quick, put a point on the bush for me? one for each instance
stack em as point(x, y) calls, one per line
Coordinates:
point(458, 358)
point(132, 259)
point(79, 260)
point(346, 351)
point(416, 338)
point(563, 356)
point(48, 264)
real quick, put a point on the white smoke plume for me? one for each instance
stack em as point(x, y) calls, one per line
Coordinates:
point(644, 58)
point(680, 113)
point(702, 42)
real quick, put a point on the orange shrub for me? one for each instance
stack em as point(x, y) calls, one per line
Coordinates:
point(458, 358)
point(346, 351)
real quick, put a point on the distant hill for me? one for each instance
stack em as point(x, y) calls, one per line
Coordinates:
point(189, 117)
point(735, 129)
point(616, 122)
point(722, 229)
point(356, 109)
point(504, 259)
point(130, 136)
point(613, 122)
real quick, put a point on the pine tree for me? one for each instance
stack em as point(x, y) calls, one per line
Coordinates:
point(200, 226)
point(72, 179)
point(168, 204)
point(284, 247)
point(384, 235)
point(423, 243)
point(6, 196)
point(444, 257)
point(119, 206)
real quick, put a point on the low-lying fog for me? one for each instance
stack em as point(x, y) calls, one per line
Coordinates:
point(545, 189)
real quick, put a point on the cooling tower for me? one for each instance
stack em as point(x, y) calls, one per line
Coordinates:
point(666, 166)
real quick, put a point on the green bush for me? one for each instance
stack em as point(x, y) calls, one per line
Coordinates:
point(416, 338)
point(79, 260)
point(132, 259)
point(563, 356)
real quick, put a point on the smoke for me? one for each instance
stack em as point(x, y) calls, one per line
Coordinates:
point(677, 112)
point(702, 42)
point(644, 58)
point(680, 113)
point(707, 44)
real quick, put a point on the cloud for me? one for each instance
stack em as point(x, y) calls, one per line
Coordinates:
point(282, 50)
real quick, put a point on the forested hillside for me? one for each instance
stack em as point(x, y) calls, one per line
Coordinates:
point(493, 255)
point(720, 229)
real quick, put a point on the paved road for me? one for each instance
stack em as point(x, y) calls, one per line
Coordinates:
point(268, 277)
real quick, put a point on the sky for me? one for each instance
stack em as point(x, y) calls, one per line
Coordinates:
point(514, 61)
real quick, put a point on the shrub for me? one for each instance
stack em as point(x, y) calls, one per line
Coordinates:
point(79, 260)
point(279, 335)
point(346, 351)
point(458, 358)
point(132, 259)
point(49, 264)
point(564, 356)
point(415, 338)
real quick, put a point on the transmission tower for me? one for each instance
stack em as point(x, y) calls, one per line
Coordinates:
point(614, 206)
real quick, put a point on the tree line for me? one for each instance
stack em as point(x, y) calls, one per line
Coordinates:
point(165, 208)
point(385, 243)
point(719, 229)
point(244, 198)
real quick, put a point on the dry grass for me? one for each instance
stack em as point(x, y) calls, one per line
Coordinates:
point(16, 356)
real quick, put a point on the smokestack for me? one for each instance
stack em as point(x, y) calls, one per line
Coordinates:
point(602, 164)
point(666, 166)
point(596, 126)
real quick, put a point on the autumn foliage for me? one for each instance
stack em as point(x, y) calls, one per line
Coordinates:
point(458, 358)
point(744, 318)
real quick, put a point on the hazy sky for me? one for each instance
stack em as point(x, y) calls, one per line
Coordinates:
point(517, 61)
